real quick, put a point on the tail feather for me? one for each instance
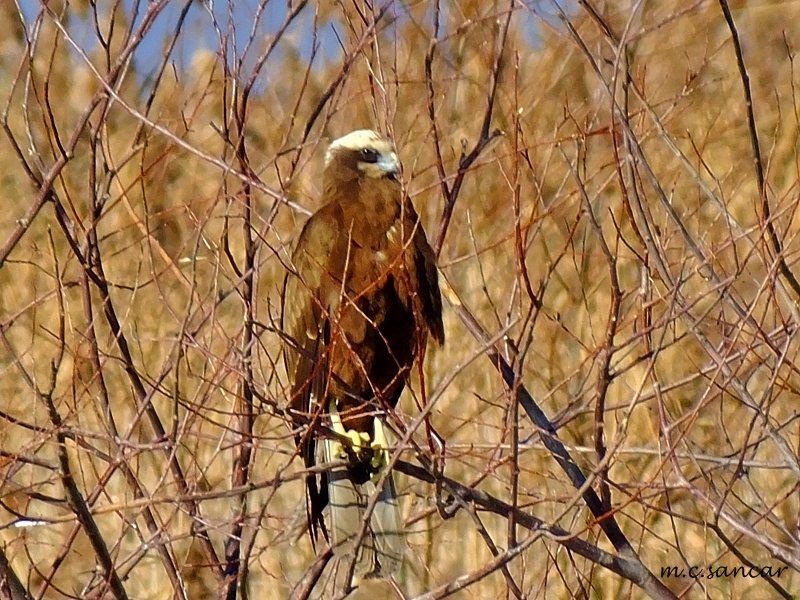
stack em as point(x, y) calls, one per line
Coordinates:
point(387, 526)
point(380, 552)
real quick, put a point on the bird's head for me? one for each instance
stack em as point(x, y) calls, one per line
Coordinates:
point(362, 154)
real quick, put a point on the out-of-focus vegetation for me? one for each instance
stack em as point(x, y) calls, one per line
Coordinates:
point(615, 234)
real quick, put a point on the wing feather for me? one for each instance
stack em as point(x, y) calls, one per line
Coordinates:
point(427, 277)
point(306, 361)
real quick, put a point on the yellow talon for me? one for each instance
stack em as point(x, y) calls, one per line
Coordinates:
point(380, 457)
point(360, 439)
point(336, 424)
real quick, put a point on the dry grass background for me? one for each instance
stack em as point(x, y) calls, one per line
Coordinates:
point(122, 177)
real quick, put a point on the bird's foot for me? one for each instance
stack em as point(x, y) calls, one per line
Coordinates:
point(359, 440)
point(380, 451)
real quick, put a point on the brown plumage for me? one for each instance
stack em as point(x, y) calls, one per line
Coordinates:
point(358, 308)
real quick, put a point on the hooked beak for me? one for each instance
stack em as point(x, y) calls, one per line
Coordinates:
point(389, 164)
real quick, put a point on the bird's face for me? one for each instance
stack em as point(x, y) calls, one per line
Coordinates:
point(363, 153)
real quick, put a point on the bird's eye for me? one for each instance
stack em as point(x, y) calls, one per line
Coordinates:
point(369, 155)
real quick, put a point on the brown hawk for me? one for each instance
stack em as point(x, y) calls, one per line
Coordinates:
point(358, 307)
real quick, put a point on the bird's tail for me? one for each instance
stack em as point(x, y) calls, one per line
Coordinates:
point(380, 550)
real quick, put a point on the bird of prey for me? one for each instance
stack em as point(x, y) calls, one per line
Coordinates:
point(360, 301)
